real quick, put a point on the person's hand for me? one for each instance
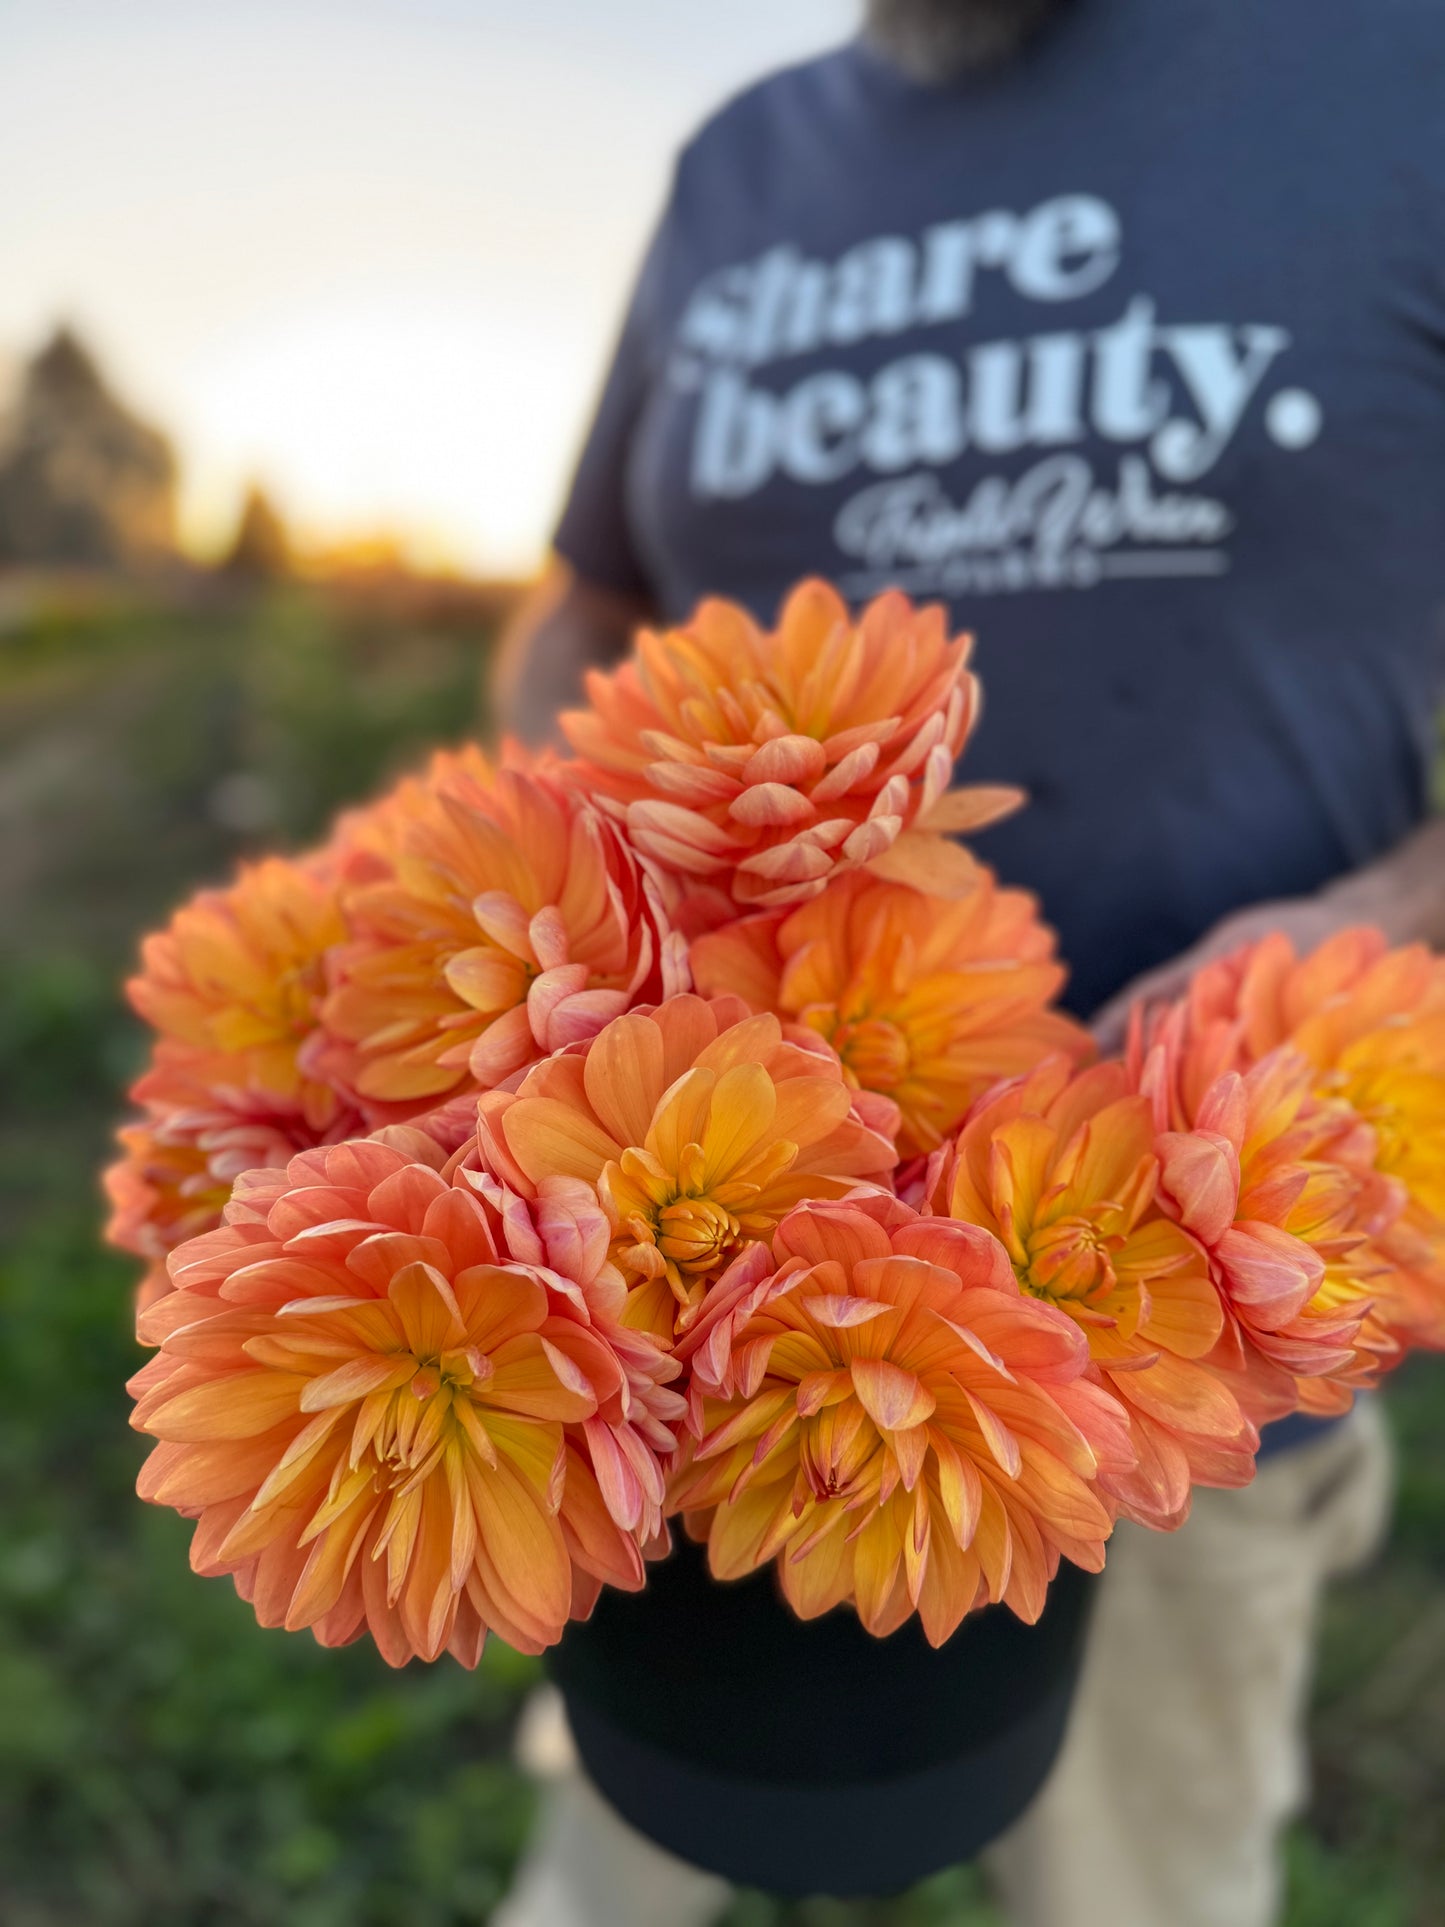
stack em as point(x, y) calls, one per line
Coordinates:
point(1307, 921)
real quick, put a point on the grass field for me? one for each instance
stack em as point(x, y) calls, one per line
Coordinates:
point(163, 1762)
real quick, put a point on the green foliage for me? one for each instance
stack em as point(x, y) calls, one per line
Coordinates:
point(145, 751)
point(163, 1761)
point(163, 1758)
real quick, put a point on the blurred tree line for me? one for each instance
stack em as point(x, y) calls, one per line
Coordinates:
point(83, 481)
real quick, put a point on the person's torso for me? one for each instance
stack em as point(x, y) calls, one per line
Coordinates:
point(1135, 355)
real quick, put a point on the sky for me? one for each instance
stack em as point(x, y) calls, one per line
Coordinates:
point(370, 254)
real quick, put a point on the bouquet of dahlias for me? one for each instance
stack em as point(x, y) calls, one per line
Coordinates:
point(682, 1135)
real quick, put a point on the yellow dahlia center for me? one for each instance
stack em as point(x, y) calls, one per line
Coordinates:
point(874, 1051)
point(185, 1172)
point(297, 993)
point(420, 1415)
point(1071, 1258)
point(681, 1223)
point(695, 1233)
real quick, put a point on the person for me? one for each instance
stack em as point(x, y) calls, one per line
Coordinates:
point(1120, 328)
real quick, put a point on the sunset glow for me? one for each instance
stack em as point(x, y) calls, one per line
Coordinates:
point(373, 257)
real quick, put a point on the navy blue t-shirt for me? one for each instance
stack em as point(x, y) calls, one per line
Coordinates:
point(1134, 353)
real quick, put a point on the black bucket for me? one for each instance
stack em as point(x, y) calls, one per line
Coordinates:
point(811, 1758)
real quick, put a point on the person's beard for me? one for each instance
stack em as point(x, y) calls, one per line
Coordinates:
point(937, 40)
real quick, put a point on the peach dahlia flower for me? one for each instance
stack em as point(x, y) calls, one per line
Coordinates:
point(233, 985)
point(699, 1126)
point(891, 1419)
point(494, 917)
point(767, 763)
point(1371, 1021)
point(180, 1161)
point(1280, 1189)
point(927, 1000)
point(234, 982)
point(1063, 1169)
point(384, 1421)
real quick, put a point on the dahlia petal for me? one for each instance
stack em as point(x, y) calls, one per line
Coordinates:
point(959, 1487)
point(950, 1589)
point(1200, 1172)
point(1000, 1441)
point(575, 1019)
point(405, 1197)
point(532, 1379)
point(822, 1578)
point(503, 920)
point(616, 1480)
point(1030, 1569)
point(1181, 1395)
point(691, 786)
point(769, 806)
point(488, 980)
point(744, 1102)
point(850, 772)
point(932, 864)
point(1184, 1315)
point(239, 1407)
point(523, 1549)
point(892, 1397)
point(550, 1139)
point(786, 759)
point(794, 862)
point(841, 1312)
point(431, 1319)
point(877, 1554)
point(353, 1380)
point(993, 1543)
point(740, 1531)
point(376, 1259)
point(625, 1076)
point(679, 837)
point(871, 839)
point(959, 811)
point(552, 988)
point(1268, 1270)
point(189, 1475)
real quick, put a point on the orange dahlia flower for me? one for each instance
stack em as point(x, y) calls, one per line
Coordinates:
point(367, 840)
point(1063, 1169)
point(233, 985)
point(497, 917)
point(700, 1127)
point(1371, 1021)
point(180, 1161)
point(383, 1420)
point(1280, 1189)
point(888, 1416)
point(769, 762)
point(927, 1000)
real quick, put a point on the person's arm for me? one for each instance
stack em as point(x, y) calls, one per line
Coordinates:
point(565, 627)
point(1403, 895)
point(598, 588)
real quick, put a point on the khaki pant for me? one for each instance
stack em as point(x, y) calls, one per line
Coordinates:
point(1185, 1755)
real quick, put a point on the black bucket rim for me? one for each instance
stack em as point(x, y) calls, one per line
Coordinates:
point(809, 1757)
point(864, 1839)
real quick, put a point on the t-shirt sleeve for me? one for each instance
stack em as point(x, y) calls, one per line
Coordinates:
point(594, 534)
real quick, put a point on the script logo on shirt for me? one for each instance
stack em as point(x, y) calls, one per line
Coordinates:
point(1169, 395)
